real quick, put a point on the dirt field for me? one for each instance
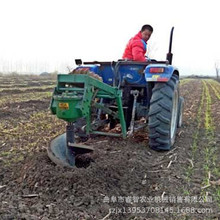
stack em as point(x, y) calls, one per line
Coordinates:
point(124, 179)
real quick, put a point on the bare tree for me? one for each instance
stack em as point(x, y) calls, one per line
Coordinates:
point(69, 69)
point(217, 69)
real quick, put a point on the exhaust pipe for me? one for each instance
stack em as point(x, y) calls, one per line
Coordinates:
point(169, 54)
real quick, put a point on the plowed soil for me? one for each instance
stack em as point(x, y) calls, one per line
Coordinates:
point(121, 179)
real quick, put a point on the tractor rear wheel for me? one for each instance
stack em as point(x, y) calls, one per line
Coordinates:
point(163, 114)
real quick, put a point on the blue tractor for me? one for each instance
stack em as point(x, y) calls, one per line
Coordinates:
point(121, 92)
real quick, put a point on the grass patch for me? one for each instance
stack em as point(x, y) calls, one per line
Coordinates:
point(31, 136)
point(194, 147)
point(210, 150)
point(184, 81)
point(26, 89)
point(199, 122)
point(215, 87)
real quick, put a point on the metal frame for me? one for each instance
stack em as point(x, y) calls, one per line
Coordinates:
point(89, 89)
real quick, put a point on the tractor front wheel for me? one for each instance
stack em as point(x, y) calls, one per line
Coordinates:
point(163, 114)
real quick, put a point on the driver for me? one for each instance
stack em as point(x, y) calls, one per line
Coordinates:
point(137, 46)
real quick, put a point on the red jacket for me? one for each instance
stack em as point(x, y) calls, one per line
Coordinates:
point(135, 49)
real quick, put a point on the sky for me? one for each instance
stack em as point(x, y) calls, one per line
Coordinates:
point(48, 35)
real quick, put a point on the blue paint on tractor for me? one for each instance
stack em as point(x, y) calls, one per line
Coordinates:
point(156, 76)
point(134, 74)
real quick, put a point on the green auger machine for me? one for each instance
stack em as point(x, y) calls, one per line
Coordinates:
point(118, 92)
point(73, 98)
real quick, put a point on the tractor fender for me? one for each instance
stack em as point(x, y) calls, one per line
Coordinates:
point(160, 72)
